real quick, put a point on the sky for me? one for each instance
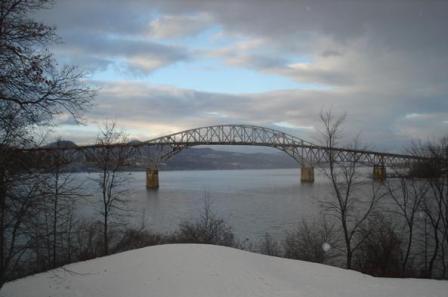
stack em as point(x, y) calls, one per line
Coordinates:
point(164, 66)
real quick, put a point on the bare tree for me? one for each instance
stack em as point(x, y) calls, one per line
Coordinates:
point(60, 192)
point(435, 205)
point(32, 91)
point(352, 202)
point(208, 228)
point(314, 242)
point(379, 254)
point(20, 202)
point(407, 194)
point(110, 159)
point(434, 172)
point(269, 246)
point(31, 84)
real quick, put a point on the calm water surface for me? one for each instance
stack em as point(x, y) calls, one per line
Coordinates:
point(253, 202)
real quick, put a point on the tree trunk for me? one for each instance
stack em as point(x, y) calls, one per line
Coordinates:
point(442, 251)
point(55, 216)
point(408, 250)
point(435, 251)
point(349, 252)
point(106, 237)
point(2, 225)
point(349, 259)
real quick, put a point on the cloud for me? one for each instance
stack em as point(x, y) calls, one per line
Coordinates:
point(305, 72)
point(330, 53)
point(397, 44)
point(417, 125)
point(366, 42)
point(257, 61)
point(149, 111)
point(384, 63)
point(175, 26)
point(291, 126)
point(98, 52)
point(400, 24)
point(98, 16)
point(321, 71)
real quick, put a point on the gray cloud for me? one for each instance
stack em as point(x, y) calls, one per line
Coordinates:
point(150, 111)
point(98, 16)
point(172, 26)
point(404, 25)
point(403, 37)
point(417, 125)
point(381, 61)
point(97, 34)
point(330, 53)
point(399, 24)
point(100, 51)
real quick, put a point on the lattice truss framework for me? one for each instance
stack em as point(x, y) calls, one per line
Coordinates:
point(302, 151)
point(151, 153)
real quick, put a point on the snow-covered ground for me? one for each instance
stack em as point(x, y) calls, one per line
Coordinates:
point(204, 270)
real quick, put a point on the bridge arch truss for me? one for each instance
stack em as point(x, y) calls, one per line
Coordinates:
point(302, 151)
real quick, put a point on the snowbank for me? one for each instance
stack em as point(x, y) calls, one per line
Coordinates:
point(204, 270)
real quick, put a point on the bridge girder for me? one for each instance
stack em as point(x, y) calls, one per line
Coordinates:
point(302, 151)
point(161, 149)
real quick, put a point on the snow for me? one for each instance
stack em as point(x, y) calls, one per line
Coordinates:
point(205, 270)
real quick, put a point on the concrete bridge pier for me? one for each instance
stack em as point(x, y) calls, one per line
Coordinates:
point(379, 173)
point(152, 179)
point(307, 174)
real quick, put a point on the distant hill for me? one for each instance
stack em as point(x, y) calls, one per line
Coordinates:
point(207, 158)
point(61, 144)
point(201, 159)
point(134, 142)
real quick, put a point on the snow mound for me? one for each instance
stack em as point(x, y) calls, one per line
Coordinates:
point(204, 270)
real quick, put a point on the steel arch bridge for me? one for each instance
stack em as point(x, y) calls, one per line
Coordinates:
point(300, 150)
point(152, 152)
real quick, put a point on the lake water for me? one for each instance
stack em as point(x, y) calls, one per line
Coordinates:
point(253, 202)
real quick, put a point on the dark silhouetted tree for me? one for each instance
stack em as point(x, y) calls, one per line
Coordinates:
point(351, 203)
point(33, 89)
point(110, 160)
